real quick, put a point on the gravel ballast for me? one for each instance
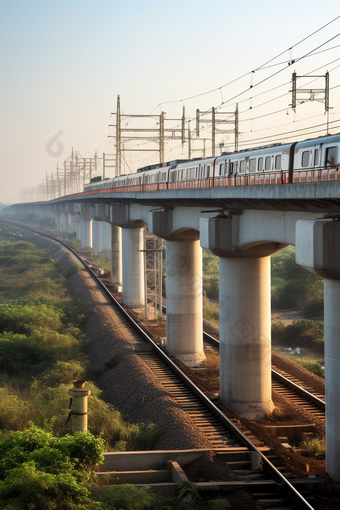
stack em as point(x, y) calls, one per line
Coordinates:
point(130, 386)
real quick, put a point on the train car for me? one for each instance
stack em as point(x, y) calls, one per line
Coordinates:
point(197, 173)
point(316, 160)
point(263, 165)
point(307, 161)
point(97, 183)
point(157, 178)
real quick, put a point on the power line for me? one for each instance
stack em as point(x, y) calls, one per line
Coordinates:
point(288, 133)
point(257, 69)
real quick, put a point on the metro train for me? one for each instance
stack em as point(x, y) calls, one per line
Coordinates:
point(312, 160)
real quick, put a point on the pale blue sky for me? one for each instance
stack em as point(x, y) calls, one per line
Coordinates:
point(63, 64)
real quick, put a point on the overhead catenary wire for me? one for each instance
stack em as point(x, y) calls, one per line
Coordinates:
point(258, 68)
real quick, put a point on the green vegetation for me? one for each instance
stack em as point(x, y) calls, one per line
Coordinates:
point(314, 309)
point(315, 448)
point(293, 288)
point(102, 260)
point(40, 471)
point(210, 275)
point(71, 271)
point(314, 368)
point(304, 333)
point(41, 352)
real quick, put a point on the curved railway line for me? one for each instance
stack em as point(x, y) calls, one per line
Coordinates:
point(220, 431)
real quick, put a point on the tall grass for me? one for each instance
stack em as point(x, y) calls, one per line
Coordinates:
point(210, 311)
point(42, 352)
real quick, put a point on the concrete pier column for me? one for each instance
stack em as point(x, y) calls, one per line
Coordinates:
point(97, 236)
point(57, 218)
point(116, 256)
point(332, 380)
point(86, 227)
point(184, 337)
point(66, 222)
point(318, 251)
point(245, 316)
point(77, 226)
point(106, 235)
point(245, 335)
point(133, 267)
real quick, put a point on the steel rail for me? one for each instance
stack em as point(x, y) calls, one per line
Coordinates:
point(309, 396)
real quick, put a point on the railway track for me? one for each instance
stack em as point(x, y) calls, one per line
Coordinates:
point(224, 436)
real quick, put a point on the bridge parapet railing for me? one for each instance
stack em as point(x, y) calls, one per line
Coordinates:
point(316, 175)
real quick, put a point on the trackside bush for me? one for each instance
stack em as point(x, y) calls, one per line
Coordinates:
point(293, 287)
point(301, 333)
point(40, 471)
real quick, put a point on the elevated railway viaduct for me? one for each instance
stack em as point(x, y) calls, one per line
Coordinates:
point(244, 226)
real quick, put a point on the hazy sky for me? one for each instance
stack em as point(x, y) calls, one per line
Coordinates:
point(64, 63)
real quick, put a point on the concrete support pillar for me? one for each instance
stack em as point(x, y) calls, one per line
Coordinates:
point(116, 256)
point(66, 222)
point(184, 337)
point(86, 227)
point(76, 226)
point(245, 336)
point(97, 236)
point(318, 250)
point(332, 380)
point(245, 316)
point(57, 218)
point(106, 235)
point(133, 267)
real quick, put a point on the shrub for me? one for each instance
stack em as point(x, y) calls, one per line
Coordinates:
point(314, 309)
point(211, 287)
point(71, 271)
point(43, 472)
point(292, 286)
point(130, 497)
point(314, 447)
point(82, 449)
point(304, 333)
point(210, 310)
point(314, 368)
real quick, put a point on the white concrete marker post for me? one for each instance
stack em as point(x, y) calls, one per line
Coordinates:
point(79, 396)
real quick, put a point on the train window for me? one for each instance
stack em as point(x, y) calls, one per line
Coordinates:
point(268, 163)
point(278, 162)
point(331, 156)
point(252, 165)
point(220, 172)
point(305, 159)
point(316, 157)
point(208, 170)
point(260, 165)
point(242, 166)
